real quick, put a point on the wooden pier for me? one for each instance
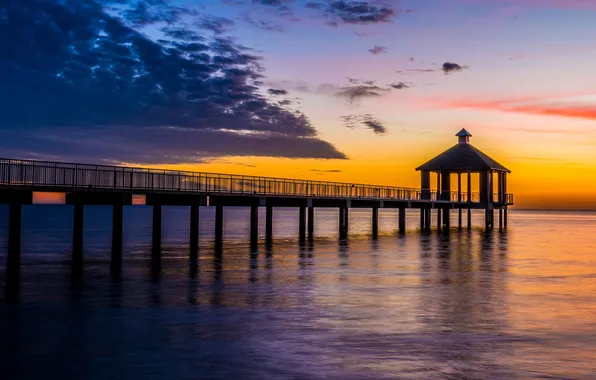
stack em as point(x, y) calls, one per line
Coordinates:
point(117, 187)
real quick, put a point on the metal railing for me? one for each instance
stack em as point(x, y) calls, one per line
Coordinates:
point(49, 175)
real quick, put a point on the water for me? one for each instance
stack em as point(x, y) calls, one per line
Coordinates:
point(519, 304)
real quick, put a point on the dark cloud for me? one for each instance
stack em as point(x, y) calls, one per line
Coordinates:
point(217, 25)
point(366, 120)
point(326, 170)
point(358, 89)
point(275, 91)
point(80, 83)
point(355, 12)
point(357, 92)
point(144, 12)
point(377, 50)
point(262, 24)
point(399, 85)
point(335, 12)
point(449, 67)
point(354, 91)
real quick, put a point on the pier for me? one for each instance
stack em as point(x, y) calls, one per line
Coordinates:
point(118, 186)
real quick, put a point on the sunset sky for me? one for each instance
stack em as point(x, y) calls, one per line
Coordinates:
point(357, 91)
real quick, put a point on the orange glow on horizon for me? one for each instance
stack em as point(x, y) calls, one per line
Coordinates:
point(49, 198)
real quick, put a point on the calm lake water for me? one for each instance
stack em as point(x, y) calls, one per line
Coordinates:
point(519, 304)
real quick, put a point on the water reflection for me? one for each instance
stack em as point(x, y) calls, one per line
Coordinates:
point(466, 304)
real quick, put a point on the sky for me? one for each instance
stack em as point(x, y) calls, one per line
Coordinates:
point(338, 90)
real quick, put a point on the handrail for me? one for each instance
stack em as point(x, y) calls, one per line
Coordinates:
point(73, 175)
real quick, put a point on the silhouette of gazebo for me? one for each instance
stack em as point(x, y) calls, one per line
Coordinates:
point(464, 158)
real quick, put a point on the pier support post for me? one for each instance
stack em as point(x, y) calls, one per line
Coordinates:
point(469, 218)
point(459, 218)
point(439, 219)
point(117, 221)
point(311, 223)
point(254, 225)
point(489, 217)
point(505, 218)
point(500, 219)
point(218, 226)
point(13, 260)
point(375, 221)
point(269, 223)
point(343, 222)
point(402, 220)
point(447, 219)
point(427, 219)
point(194, 230)
point(156, 233)
point(302, 223)
point(77, 235)
point(422, 215)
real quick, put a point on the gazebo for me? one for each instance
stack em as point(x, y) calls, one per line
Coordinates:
point(463, 158)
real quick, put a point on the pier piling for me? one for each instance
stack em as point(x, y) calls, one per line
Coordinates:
point(254, 225)
point(77, 235)
point(402, 220)
point(117, 221)
point(219, 226)
point(459, 218)
point(311, 223)
point(447, 219)
point(302, 223)
point(375, 221)
point(156, 233)
point(269, 223)
point(194, 230)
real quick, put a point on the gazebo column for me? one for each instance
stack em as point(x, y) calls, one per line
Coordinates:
point(439, 192)
point(459, 200)
point(424, 195)
point(446, 196)
point(469, 200)
point(425, 185)
point(505, 207)
point(446, 186)
point(484, 187)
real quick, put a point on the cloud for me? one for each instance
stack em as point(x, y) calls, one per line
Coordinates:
point(531, 106)
point(366, 120)
point(326, 171)
point(567, 4)
point(449, 67)
point(399, 85)
point(357, 92)
point(354, 91)
point(121, 96)
point(275, 91)
point(263, 24)
point(378, 50)
point(217, 25)
point(355, 12)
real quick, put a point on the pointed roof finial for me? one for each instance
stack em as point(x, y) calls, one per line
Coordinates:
point(463, 136)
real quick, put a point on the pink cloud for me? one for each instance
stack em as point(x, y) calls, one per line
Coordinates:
point(542, 106)
point(570, 4)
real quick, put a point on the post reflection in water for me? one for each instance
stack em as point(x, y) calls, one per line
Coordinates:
point(458, 304)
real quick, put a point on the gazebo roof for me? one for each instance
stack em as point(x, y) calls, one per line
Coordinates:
point(462, 157)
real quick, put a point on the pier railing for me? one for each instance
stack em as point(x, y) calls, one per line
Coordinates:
point(47, 175)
